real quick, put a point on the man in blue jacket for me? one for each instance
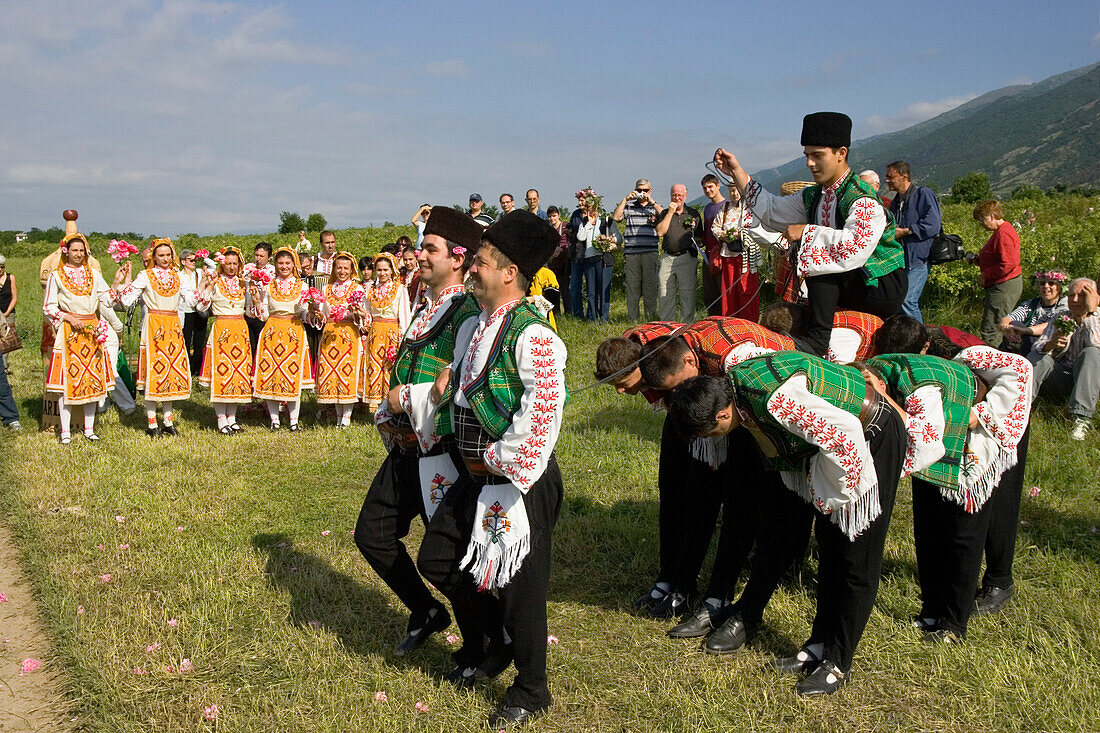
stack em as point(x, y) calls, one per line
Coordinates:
point(917, 214)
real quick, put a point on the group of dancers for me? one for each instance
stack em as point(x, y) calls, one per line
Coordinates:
point(359, 327)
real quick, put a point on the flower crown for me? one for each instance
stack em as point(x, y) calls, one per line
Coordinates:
point(1051, 276)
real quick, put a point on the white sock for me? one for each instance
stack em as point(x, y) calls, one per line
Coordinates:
point(220, 410)
point(89, 419)
point(65, 413)
point(294, 409)
point(345, 414)
point(273, 411)
point(231, 413)
point(151, 413)
point(167, 413)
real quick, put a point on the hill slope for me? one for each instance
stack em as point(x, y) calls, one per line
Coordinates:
point(1043, 133)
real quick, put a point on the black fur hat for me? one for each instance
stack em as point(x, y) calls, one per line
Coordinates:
point(827, 129)
point(454, 226)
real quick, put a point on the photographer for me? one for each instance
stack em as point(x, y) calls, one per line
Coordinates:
point(678, 269)
point(640, 212)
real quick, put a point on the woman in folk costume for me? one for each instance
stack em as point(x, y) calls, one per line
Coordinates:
point(388, 305)
point(163, 368)
point(227, 358)
point(282, 354)
point(79, 369)
point(341, 351)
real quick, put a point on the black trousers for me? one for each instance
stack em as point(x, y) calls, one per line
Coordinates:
point(562, 267)
point(392, 502)
point(847, 290)
point(255, 325)
point(691, 496)
point(194, 340)
point(1003, 507)
point(848, 570)
point(313, 338)
point(786, 521)
point(520, 606)
point(949, 543)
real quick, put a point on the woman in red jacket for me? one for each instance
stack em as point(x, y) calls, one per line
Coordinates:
point(1001, 275)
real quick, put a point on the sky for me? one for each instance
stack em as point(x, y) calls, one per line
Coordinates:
point(210, 117)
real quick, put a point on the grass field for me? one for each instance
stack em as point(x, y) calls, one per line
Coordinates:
point(245, 543)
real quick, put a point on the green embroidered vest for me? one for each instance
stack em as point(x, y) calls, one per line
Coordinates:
point(495, 394)
point(908, 372)
point(421, 360)
point(889, 255)
point(755, 380)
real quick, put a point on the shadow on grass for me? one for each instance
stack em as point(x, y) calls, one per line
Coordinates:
point(359, 616)
point(624, 417)
point(607, 555)
point(1073, 535)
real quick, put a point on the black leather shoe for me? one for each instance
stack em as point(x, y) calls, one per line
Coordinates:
point(993, 599)
point(495, 664)
point(825, 680)
point(727, 638)
point(924, 623)
point(461, 676)
point(673, 605)
point(802, 662)
point(700, 623)
point(436, 620)
point(506, 715)
point(152, 432)
point(169, 430)
point(650, 598)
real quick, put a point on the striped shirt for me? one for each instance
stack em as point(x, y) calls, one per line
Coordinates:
point(640, 233)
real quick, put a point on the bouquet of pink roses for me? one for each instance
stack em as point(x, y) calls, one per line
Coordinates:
point(337, 313)
point(1065, 325)
point(604, 243)
point(313, 296)
point(202, 254)
point(120, 250)
point(100, 331)
point(355, 300)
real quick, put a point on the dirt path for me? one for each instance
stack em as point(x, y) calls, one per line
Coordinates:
point(31, 701)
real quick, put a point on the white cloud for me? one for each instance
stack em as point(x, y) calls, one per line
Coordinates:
point(911, 115)
point(451, 68)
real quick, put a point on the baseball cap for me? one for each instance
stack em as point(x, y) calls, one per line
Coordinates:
point(475, 197)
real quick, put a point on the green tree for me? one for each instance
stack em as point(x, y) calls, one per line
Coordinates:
point(290, 223)
point(315, 223)
point(971, 188)
point(1026, 191)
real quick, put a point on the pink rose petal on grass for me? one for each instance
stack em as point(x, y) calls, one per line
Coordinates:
point(210, 713)
point(452, 639)
point(152, 647)
point(29, 665)
point(106, 577)
point(551, 639)
point(173, 623)
point(1033, 491)
point(80, 610)
point(139, 671)
point(421, 707)
point(119, 518)
point(124, 547)
point(169, 668)
point(186, 666)
point(380, 696)
point(179, 529)
point(100, 547)
point(326, 532)
point(3, 598)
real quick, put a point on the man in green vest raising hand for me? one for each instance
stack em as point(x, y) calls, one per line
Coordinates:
point(841, 237)
point(488, 546)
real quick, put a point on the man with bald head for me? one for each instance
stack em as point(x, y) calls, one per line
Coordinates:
point(681, 229)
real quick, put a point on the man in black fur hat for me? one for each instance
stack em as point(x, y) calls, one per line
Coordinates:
point(842, 237)
point(421, 465)
point(492, 530)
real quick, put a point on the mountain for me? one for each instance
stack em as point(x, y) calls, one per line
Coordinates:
point(1041, 134)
